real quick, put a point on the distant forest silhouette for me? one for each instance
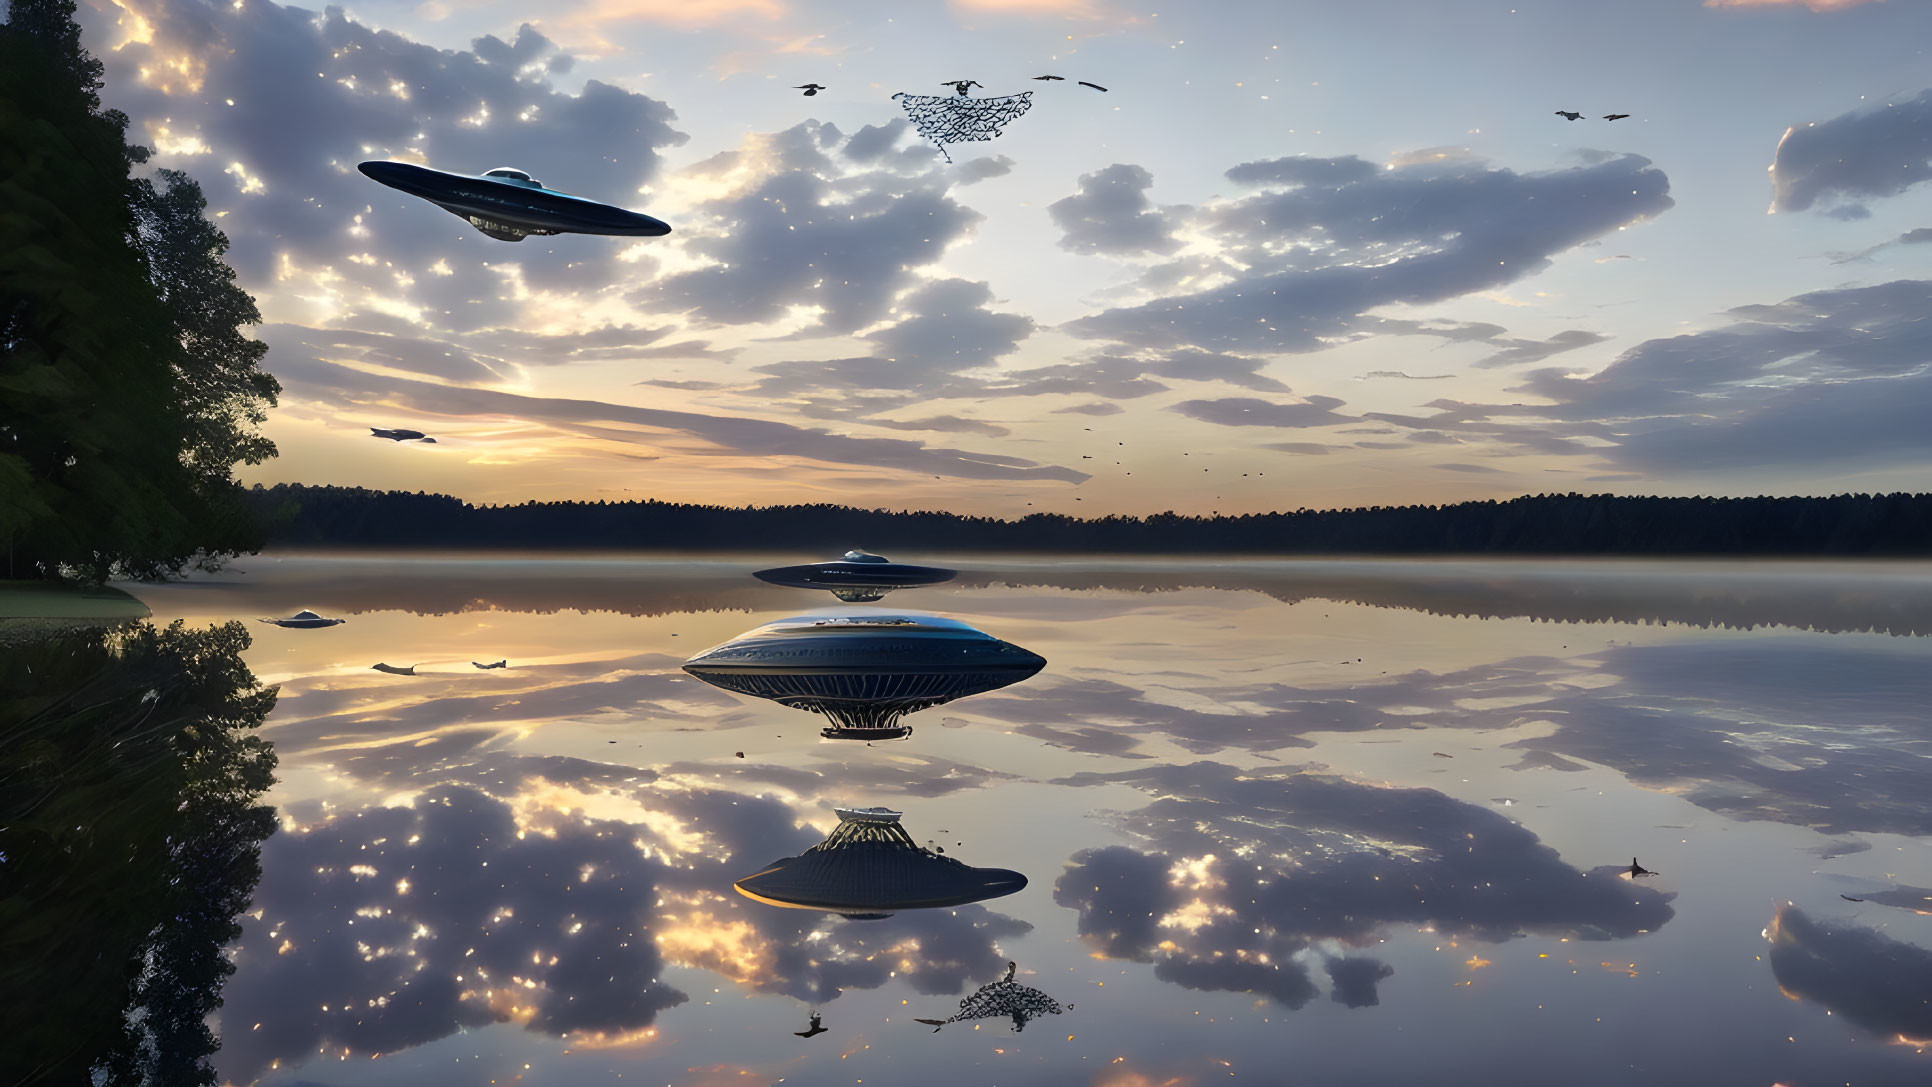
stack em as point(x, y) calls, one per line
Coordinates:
point(1548, 524)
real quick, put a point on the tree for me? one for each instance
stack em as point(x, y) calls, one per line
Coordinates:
point(124, 399)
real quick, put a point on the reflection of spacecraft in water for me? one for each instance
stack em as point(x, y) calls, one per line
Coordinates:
point(858, 578)
point(510, 205)
point(870, 867)
point(864, 672)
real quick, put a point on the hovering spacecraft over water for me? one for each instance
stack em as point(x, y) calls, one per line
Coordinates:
point(510, 205)
point(399, 434)
point(858, 578)
point(870, 867)
point(864, 672)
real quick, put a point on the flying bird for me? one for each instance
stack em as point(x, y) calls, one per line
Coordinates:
point(499, 664)
point(1638, 869)
point(815, 1028)
point(399, 435)
point(1095, 86)
point(810, 89)
point(395, 670)
point(1849, 898)
point(1568, 116)
point(960, 85)
point(1615, 116)
point(1058, 77)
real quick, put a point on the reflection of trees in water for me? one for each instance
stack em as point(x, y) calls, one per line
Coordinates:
point(131, 840)
point(1731, 596)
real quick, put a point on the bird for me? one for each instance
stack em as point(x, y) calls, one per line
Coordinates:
point(498, 664)
point(1638, 869)
point(815, 1028)
point(1568, 116)
point(810, 89)
point(1615, 116)
point(960, 85)
point(395, 670)
point(1059, 77)
point(1095, 86)
point(1849, 898)
point(399, 434)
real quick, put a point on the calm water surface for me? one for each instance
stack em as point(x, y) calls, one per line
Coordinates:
point(1283, 822)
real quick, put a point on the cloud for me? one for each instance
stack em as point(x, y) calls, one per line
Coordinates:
point(410, 923)
point(1404, 376)
point(1234, 873)
point(1884, 986)
point(286, 101)
point(1326, 240)
point(1312, 411)
point(1864, 154)
point(302, 366)
point(1354, 978)
point(1831, 378)
point(811, 232)
point(1095, 407)
point(1110, 215)
point(1515, 352)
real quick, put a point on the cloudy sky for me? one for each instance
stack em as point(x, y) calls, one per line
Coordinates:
point(1298, 254)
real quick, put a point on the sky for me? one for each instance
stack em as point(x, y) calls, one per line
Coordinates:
point(1296, 254)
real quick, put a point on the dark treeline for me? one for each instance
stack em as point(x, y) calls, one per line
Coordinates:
point(1566, 524)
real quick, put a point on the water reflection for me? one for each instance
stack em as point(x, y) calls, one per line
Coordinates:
point(1880, 984)
point(1882, 597)
point(869, 868)
point(1237, 874)
point(129, 838)
point(1003, 999)
point(1379, 887)
point(864, 672)
point(409, 923)
point(858, 578)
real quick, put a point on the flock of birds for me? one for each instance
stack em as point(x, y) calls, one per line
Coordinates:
point(960, 86)
point(1569, 116)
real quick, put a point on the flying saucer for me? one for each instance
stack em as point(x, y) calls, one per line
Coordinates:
point(869, 867)
point(857, 578)
point(304, 620)
point(864, 672)
point(510, 205)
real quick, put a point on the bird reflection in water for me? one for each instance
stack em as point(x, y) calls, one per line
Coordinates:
point(1003, 998)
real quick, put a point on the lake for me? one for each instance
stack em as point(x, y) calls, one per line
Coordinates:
point(1281, 822)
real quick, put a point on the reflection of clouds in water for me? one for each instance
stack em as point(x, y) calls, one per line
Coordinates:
point(1879, 983)
point(1799, 731)
point(1239, 872)
point(1354, 978)
point(403, 925)
point(1826, 736)
point(400, 925)
point(1841, 597)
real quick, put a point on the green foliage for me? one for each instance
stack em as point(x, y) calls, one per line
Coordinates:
point(127, 391)
point(129, 774)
